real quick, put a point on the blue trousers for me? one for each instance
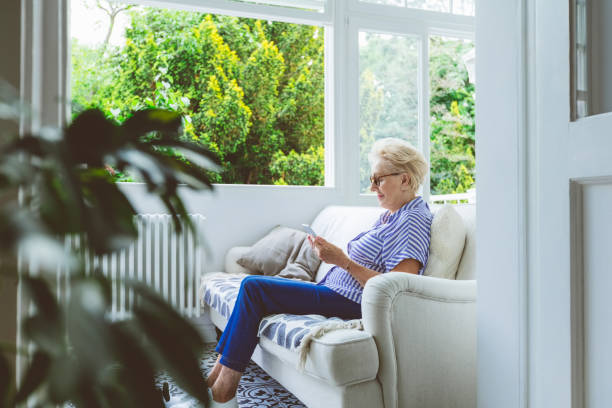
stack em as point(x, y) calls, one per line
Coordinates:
point(260, 296)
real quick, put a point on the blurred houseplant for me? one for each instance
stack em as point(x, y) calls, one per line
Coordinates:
point(56, 183)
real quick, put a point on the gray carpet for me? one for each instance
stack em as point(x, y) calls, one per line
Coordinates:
point(256, 390)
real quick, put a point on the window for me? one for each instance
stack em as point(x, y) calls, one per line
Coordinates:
point(461, 7)
point(292, 92)
point(251, 90)
point(311, 5)
point(452, 124)
point(388, 92)
point(418, 85)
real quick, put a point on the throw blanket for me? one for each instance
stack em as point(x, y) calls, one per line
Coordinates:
point(296, 332)
point(293, 332)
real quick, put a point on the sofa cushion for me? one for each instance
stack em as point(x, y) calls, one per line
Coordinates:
point(289, 330)
point(231, 260)
point(340, 357)
point(296, 332)
point(283, 252)
point(219, 291)
point(340, 224)
point(446, 245)
point(467, 265)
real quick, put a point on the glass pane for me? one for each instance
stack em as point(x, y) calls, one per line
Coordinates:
point(432, 5)
point(459, 7)
point(581, 69)
point(401, 3)
point(463, 7)
point(591, 57)
point(581, 26)
point(388, 92)
point(311, 5)
point(582, 109)
point(250, 90)
point(452, 114)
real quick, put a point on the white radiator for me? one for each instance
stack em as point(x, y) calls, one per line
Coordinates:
point(171, 264)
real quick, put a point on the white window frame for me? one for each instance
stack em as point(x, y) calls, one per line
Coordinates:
point(400, 21)
point(46, 33)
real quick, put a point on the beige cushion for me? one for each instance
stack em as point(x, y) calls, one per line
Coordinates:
point(339, 357)
point(283, 252)
point(447, 241)
point(340, 224)
point(467, 265)
point(231, 260)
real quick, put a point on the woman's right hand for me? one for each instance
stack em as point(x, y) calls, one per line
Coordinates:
point(328, 252)
point(311, 240)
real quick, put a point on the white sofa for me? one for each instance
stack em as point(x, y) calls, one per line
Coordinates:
point(418, 346)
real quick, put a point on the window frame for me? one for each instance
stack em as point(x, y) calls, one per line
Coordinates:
point(400, 21)
point(46, 34)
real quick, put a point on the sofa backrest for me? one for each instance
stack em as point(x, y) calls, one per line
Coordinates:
point(467, 265)
point(340, 224)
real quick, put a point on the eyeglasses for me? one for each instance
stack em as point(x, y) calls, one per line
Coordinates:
point(376, 180)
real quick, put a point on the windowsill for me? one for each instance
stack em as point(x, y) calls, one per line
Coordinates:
point(271, 187)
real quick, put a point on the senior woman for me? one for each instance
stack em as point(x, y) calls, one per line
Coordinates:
point(398, 242)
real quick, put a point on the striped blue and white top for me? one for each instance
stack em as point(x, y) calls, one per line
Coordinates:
point(393, 238)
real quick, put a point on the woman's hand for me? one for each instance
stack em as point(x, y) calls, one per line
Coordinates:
point(328, 252)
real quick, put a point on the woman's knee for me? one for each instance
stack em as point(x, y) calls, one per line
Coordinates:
point(250, 282)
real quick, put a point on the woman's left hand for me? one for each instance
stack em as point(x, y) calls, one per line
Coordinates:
point(328, 252)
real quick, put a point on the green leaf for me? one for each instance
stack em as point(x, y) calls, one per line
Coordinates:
point(152, 120)
point(64, 379)
point(178, 345)
point(45, 333)
point(35, 376)
point(5, 380)
point(43, 298)
point(90, 137)
point(138, 372)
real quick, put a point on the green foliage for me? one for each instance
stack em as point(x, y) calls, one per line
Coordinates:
point(93, 74)
point(452, 125)
point(388, 93)
point(299, 168)
point(57, 185)
point(247, 88)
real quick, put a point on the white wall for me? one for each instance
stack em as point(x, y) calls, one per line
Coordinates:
point(500, 221)
point(240, 215)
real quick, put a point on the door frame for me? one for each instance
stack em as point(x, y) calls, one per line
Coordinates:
point(532, 164)
point(502, 164)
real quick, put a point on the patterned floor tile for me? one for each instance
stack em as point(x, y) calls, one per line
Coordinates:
point(256, 389)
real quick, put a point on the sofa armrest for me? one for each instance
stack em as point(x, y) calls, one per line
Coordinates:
point(425, 333)
point(231, 266)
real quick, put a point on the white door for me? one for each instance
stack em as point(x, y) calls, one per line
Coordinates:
point(569, 211)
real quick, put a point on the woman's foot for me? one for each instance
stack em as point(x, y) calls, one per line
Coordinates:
point(233, 403)
point(214, 373)
point(226, 384)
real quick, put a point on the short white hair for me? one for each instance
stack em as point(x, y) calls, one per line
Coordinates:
point(402, 158)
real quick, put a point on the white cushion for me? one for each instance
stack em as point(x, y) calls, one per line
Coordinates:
point(339, 357)
point(231, 258)
point(340, 224)
point(447, 241)
point(467, 265)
